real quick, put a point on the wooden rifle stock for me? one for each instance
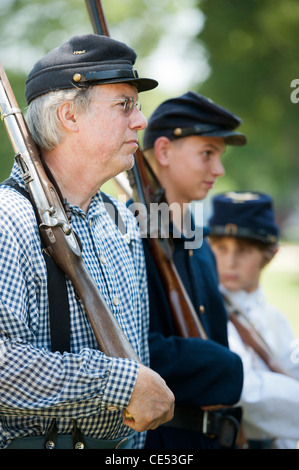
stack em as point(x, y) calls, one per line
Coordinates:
point(185, 318)
point(61, 242)
point(252, 337)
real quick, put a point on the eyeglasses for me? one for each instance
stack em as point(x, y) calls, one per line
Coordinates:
point(128, 104)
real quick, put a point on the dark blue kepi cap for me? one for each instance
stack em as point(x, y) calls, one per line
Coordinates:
point(244, 214)
point(86, 60)
point(192, 114)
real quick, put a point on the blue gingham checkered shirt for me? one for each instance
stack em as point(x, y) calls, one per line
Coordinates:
point(37, 384)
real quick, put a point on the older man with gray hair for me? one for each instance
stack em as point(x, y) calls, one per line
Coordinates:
point(84, 116)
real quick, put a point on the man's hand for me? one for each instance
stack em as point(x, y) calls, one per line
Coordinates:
point(152, 402)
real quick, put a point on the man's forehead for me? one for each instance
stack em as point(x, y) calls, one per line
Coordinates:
point(215, 142)
point(121, 90)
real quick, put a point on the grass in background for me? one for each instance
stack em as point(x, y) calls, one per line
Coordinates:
point(280, 281)
point(110, 188)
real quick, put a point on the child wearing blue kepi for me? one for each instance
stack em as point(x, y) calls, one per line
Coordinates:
point(244, 237)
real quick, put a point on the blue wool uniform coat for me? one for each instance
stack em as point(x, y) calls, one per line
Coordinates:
point(199, 372)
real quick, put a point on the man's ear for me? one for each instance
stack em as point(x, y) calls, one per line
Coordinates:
point(162, 147)
point(67, 117)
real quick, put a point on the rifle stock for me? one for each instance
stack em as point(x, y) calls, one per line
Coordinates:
point(146, 189)
point(61, 242)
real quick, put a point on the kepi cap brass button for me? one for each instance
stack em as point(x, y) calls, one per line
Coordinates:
point(77, 77)
point(177, 131)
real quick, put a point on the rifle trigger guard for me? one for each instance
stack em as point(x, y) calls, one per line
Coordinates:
point(67, 228)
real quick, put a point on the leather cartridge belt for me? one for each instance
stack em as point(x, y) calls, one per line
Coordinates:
point(222, 425)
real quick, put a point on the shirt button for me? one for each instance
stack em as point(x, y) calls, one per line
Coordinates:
point(127, 238)
point(202, 309)
point(190, 253)
point(103, 259)
point(112, 408)
point(115, 301)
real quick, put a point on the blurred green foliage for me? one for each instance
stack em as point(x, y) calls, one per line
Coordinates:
point(251, 52)
point(253, 55)
point(281, 288)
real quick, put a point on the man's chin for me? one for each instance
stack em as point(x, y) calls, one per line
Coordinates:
point(126, 163)
point(131, 164)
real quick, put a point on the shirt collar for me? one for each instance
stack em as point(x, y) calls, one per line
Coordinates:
point(193, 227)
point(96, 206)
point(247, 302)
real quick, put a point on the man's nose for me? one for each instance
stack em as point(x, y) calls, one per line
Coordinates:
point(231, 259)
point(218, 168)
point(138, 120)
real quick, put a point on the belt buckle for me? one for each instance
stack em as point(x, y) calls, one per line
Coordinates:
point(224, 427)
point(228, 432)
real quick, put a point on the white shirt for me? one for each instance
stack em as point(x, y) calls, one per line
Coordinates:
point(270, 400)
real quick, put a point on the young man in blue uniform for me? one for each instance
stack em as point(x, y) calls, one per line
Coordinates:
point(183, 143)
